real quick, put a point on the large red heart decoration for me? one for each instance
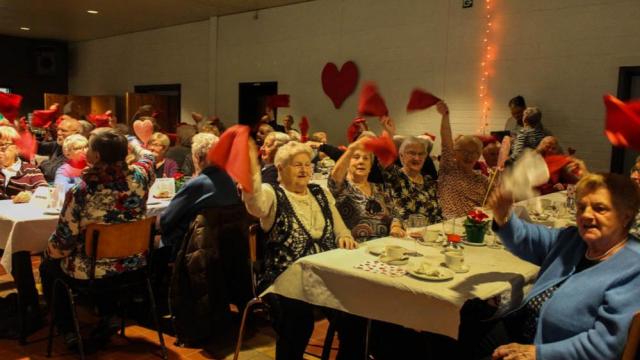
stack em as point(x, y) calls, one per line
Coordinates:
point(143, 130)
point(339, 84)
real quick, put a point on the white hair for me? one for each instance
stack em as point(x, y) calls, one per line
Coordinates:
point(287, 151)
point(71, 141)
point(201, 143)
point(9, 133)
point(279, 137)
point(413, 140)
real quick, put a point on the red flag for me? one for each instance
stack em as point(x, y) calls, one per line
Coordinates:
point(27, 144)
point(10, 105)
point(304, 129)
point(383, 147)
point(277, 101)
point(44, 118)
point(623, 122)
point(371, 103)
point(421, 100)
point(232, 154)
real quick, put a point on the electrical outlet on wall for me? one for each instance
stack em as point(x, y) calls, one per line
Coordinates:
point(467, 4)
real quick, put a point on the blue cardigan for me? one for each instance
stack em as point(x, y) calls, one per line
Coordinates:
point(588, 317)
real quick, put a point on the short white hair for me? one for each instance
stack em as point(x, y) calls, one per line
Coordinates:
point(201, 144)
point(289, 150)
point(413, 140)
point(279, 137)
point(71, 141)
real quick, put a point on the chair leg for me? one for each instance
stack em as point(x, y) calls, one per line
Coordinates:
point(154, 314)
point(245, 313)
point(328, 341)
point(76, 323)
point(366, 340)
point(52, 310)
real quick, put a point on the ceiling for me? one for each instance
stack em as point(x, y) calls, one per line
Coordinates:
point(68, 19)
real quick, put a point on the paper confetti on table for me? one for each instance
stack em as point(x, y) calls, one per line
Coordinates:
point(378, 267)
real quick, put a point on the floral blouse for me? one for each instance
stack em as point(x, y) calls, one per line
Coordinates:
point(411, 198)
point(635, 227)
point(368, 217)
point(111, 193)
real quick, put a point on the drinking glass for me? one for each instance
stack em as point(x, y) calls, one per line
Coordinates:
point(492, 240)
point(415, 225)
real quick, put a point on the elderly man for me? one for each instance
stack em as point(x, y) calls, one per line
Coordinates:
point(53, 149)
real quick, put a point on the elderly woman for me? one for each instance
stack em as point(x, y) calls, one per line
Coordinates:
point(109, 192)
point(158, 145)
point(272, 142)
point(299, 219)
point(74, 149)
point(588, 286)
point(459, 187)
point(364, 206)
point(411, 191)
point(15, 175)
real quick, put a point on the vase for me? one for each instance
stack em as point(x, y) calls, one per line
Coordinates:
point(475, 233)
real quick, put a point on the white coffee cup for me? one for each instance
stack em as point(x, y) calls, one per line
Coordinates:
point(454, 260)
point(394, 251)
point(431, 235)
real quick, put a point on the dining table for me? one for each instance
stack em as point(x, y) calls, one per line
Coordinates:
point(25, 230)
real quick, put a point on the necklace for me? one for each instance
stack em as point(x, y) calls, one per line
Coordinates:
point(608, 253)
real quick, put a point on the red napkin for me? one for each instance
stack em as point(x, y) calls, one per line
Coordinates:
point(304, 129)
point(75, 166)
point(383, 147)
point(101, 120)
point(555, 163)
point(354, 130)
point(421, 100)
point(276, 101)
point(44, 118)
point(27, 144)
point(430, 136)
point(371, 103)
point(232, 154)
point(9, 105)
point(623, 122)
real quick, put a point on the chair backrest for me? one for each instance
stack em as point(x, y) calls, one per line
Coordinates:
point(118, 241)
point(633, 339)
point(253, 242)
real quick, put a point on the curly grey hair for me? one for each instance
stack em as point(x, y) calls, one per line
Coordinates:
point(287, 151)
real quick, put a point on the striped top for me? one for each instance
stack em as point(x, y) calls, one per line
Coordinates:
point(527, 137)
point(27, 178)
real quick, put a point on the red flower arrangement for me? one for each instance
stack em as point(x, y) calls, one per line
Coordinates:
point(179, 179)
point(477, 218)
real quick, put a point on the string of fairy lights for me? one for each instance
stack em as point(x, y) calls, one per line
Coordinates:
point(488, 55)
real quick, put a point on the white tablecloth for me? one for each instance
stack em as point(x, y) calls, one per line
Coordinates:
point(330, 279)
point(25, 227)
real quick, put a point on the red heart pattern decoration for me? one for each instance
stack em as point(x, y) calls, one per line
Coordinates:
point(339, 84)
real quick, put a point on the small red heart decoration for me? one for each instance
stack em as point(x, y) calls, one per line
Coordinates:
point(339, 84)
point(143, 130)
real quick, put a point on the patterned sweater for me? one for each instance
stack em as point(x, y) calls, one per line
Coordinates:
point(27, 178)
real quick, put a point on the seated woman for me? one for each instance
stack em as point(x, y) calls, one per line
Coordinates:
point(587, 291)
point(158, 145)
point(563, 170)
point(16, 175)
point(299, 219)
point(109, 192)
point(74, 149)
point(411, 191)
point(459, 187)
point(366, 208)
point(272, 142)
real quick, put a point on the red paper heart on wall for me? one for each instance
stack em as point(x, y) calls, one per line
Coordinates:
point(339, 84)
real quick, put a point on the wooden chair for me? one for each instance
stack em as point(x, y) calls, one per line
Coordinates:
point(255, 263)
point(633, 340)
point(113, 241)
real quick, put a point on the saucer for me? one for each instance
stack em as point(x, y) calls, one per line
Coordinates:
point(51, 212)
point(473, 243)
point(402, 261)
point(462, 270)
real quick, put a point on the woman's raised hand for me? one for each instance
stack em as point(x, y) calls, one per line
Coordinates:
point(442, 108)
point(500, 202)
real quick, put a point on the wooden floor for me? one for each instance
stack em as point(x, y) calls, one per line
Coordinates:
point(142, 343)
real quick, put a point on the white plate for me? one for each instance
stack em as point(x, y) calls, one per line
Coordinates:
point(443, 273)
point(378, 250)
point(464, 269)
point(474, 244)
point(388, 261)
point(51, 212)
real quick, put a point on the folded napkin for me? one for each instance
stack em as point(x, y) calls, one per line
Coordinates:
point(421, 100)
point(27, 144)
point(10, 105)
point(304, 129)
point(622, 126)
point(276, 101)
point(378, 267)
point(44, 118)
point(231, 153)
point(383, 147)
point(371, 103)
point(101, 120)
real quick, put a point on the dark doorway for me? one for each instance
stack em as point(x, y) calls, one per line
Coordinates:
point(622, 160)
point(252, 100)
point(172, 92)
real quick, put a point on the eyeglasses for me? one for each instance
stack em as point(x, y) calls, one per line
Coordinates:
point(415, 154)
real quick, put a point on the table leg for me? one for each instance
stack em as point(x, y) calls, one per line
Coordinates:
point(29, 308)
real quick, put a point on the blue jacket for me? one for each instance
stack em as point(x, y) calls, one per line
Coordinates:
point(588, 317)
point(212, 188)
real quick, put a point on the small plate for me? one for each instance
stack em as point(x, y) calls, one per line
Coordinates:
point(443, 273)
point(464, 269)
point(379, 250)
point(51, 212)
point(402, 261)
point(474, 244)
point(162, 197)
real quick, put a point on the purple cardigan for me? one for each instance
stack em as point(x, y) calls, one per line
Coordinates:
point(168, 169)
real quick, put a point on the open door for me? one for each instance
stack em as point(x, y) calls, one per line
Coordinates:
point(87, 104)
point(160, 104)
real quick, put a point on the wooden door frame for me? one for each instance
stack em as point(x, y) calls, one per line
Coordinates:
point(625, 74)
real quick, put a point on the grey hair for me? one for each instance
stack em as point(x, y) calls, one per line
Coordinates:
point(280, 137)
point(468, 140)
point(413, 140)
point(201, 143)
point(533, 115)
point(287, 151)
point(72, 140)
